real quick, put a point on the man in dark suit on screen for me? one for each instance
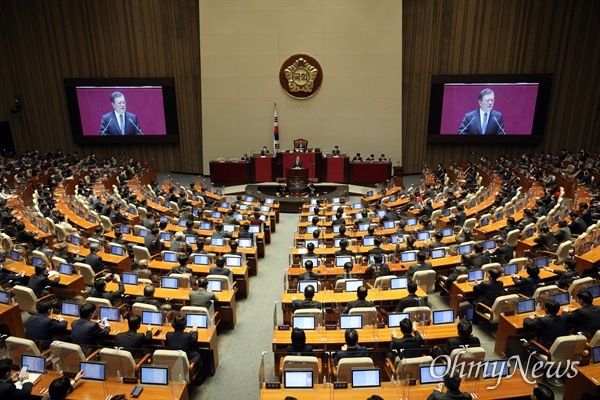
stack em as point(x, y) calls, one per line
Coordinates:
point(119, 122)
point(484, 120)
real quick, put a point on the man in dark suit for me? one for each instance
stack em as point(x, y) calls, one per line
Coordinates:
point(377, 249)
point(202, 297)
point(587, 318)
point(85, 332)
point(465, 338)
point(220, 268)
point(460, 217)
point(452, 384)
point(361, 293)
point(549, 327)
point(41, 328)
point(299, 346)
point(565, 278)
point(577, 225)
point(546, 239)
point(131, 340)
point(8, 390)
point(479, 258)
point(503, 252)
point(421, 265)
point(351, 348)
point(40, 280)
point(484, 120)
point(99, 289)
point(409, 345)
point(412, 300)
point(343, 251)
point(528, 285)
point(119, 122)
point(308, 302)
point(308, 275)
point(148, 297)
point(185, 341)
point(93, 259)
point(378, 268)
point(297, 164)
point(487, 291)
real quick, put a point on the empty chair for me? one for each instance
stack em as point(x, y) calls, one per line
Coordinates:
point(501, 304)
point(106, 224)
point(419, 313)
point(174, 207)
point(425, 280)
point(99, 302)
point(341, 283)
point(121, 363)
point(138, 308)
point(543, 293)
point(487, 267)
point(56, 261)
point(383, 281)
point(61, 233)
point(343, 372)
point(88, 274)
point(302, 362)
point(564, 351)
point(142, 213)
point(184, 280)
point(434, 216)
point(178, 363)
point(69, 356)
point(562, 253)
point(520, 261)
point(470, 223)
point(140, 253)
point(7, 243)
point(209, 312)
point(406, 368)
point(27, 300)
point(577, 285)
point(513, 237)
point(226, 283)
point(42, 255)
point(369, 314)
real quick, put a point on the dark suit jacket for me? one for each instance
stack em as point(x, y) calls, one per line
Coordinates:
point(578, 226)
point(408, 346)
point(548, 241)
point(488, 291)
point(220, 271)
point(132, 341)
point(457, 342)
point(449, 395)
point(41, 328)
point(300, 304)
point(418, 267)
point(378, 270)
point(357, 303)
point(471, 124)
point(412, 300)
point(110, 119)
point(308, 276)
point(548, 328)
point(358, 351)
point(586, 319)
point(527, 285)
point(94, 261)
point(297, 164)
point(9, 391)
point(86, 332)
point(37, 283)
point(306, 350)
point(109, 295)
point(185, 341)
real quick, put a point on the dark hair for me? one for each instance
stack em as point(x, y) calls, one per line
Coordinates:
point(412, 287)
point(183, 259)
point(377, 241)
point(308, 265)
point(309, 292)
point(351, 337)
point(478, 248)
point(464, 329)
point(343, 243)
point(86, 310)
point(494, 274)
point(310, 246)
point(543, 393)
point(149, 291)
point(362, 292)
point(585, 296)
point(43, 306)
point(179, 322)
point(452, 380)
point(298, 337)
point(134, 322)
point(420, 256)
point(40, 268)
point(6, 366)
point(203, 282)
point(60, 388)
point(406, 326)
point(378, 258)
point(571, 263)
point(552, 306)
point(220, 261)
point(483, 93)
point(348, 266)
point(100, 284)
point(114, 96)
point(533, 270)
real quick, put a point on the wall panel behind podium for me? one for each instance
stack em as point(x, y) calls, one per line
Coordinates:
point(42, 42)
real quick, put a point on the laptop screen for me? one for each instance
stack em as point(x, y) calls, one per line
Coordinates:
point(217, 241)
point(205, 226)
point(353, 285)
point(408, 256)
point(249, 199)
point(315, 261)
point(484, 222)
point(397, 239)
point(561, 298)
point(489, 244)
point(169, 283)
point(411, 222)
point(304, 322)
point(70, 309)
point(216, 214)
point(191, 239)
point(92, 219)
point(201, 259)
point(438, 253)
point(393, 320)
point(65, 269)
point(93, 370)
point(35, 364)
point(446, 212)
point(594, 290)
point(246, 243)
point(525, 306)
point(596, 354)
point(233, 261)
point(398, 283)
point(423, 236)
point(169, 256)
point(269, 201)
point(363, 227)
point(341, 260)
point(303, 284)
point(75, 240)
point(116, 250)
point(36, 261)
point(336, 229)
point(464, 249)
point(4, 297)
point(224, 204)
point(510, 269)
point(432, 374)
point(110, 313)
point(493, 369)
point(151, 318)
point(351, 321)
point(368, 241)
point(529, 233)
point(541, 262)
point(129, 278)
point(356, 206)
point(362, 378)
point(199, 319)
point(298, 379)
point(154, 375)
point(315, 242)
point(253, 229)
point(143, 232)
point(228, 228)
point(389, 224)
point(446, 232)
point(182, 223)
point(215, 285)
point(443, 317)
point(469, 313)
point(265, 209)
point(476, 275)
point(381, 213)
point(166, 236)
point(311, 228)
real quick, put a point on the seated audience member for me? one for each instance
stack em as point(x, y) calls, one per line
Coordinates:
point(587, 318)
point(528, 285)
point(409, 345)
point(412, 300)
point(220, 233)
point(462, 269)
point(308, 275)
point(310, 250)
point(549, 327)
point(24, 236)
point(8, 389)
point(64, 254)
point(351, 349)
point(437, 241)
point(421, 265)
point(378, 268)
point(347, 272)
point(487, 291)
point(299, 346)
point(185, 341)
point(61, 387)
point(577, 225)
point(361, 293)
point(153, 243)
point(480, 257)
point(452, 385)
point(85, 332)
point(565, 278)
point(343, 251)
point(202, 297)
point(308, 302)
point(148, 297)
point(377, 249)
point(563, 233)
point(542, 392)
point(40, 280)
point(94, 260)
point(503, 252)
point(41, 328)
point(220, 268)
point(464, 235)
point(132, 341)
point(465, 338)
point(179, 244)
point(182, 268)
point(99, 289)
point(546, 239)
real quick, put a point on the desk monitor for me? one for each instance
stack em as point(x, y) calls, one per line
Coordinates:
point(311, 228)
point(167, 203)
point(265, 209)
point(254, 229)
point(144, 233)
point(303, 284)
point(529, 233)
point(381, 213)
point(335, 200)
point(110, 313)
point(116, 250)
point(243, 207)
point(170, 256)
point(91, 219)
point(469, 312)
point(14, 255)
point(408, 256)
point(224, 204)
point(525, 306)
point(217, 241)
point(5, 297)
point(353, 321)
point(191, 239)
point(298, 379)
point(423, 236)
point(163, 219)
point(363, 227)
point(596, 354)
point(352, 285)
point(201, 259)
point(154, 375)
point(182, 223)
point(398, 283)
point(484, 222)
point(125, 229)
point(587, 246)
point(443, 317)
point(594, 290)
point(389, 224)
point(411, 222)
point(369, 193)
point(432, 373)
point(475, 275)
point(238, 216)
point(393, 199)
point(315, 242)
point(336, 242)
point(493, 369)
point(397, 239)
point(510, 269)
point(489, 244)
point(35, 261)
point(561, 298)
point(334, 209)
point(206, 226)
point(219, 192)
point(341, 260)
point(369, 241)
point(233, 261)
point(446, 212)
point(152, 318)
point(169, 283)
point(215, 214)
point(65, 269)
point(314, 259)
point(215, 285)
point(472, 204)
point(446, 232)
point(249, 199)
point(336, 228)
point(269, 200)
point(246, 243)
point(200, 320)
point(228, 228)
point(510, 211)
point(465, 249)
point(366, 378)
point(35, 364)
point(130, 278)
point(75, 240)
point(541, 262)
point(357, 206)
point(263, 218)
point(499, 216)
point(394, 319)
point(438, 253)
point(304, 322)
point(70, 309)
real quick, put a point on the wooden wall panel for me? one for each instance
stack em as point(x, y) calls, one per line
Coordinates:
point(502, 37)
point(46, 41)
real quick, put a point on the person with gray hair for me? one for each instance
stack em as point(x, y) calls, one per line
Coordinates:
point(484, 120)
point(93, 259)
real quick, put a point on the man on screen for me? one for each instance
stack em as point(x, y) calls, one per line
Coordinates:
point(484, 120)
point(119, 122)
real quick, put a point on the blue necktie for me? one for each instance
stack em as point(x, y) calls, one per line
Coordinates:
point(484, 124)
point(122, 125)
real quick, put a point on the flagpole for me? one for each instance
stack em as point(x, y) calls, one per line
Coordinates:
point(275, 129)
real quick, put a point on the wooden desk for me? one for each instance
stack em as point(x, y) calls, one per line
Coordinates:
point(121, 262)
point(71, 282)
point(93, 390)
point(88, 227)
point(10, 315)
point(587, 260)
point(586, 382)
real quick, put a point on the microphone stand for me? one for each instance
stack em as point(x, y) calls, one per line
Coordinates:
point(137, 128)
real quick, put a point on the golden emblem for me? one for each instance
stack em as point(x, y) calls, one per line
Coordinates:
point(301, 76)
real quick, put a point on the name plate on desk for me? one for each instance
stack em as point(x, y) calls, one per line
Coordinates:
point(292, 291)
point(340, 385)
point(130, 380)
point(273, 385)
point(283, 327)
point(330, 327)
point(380, 325)
point(338, 290)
